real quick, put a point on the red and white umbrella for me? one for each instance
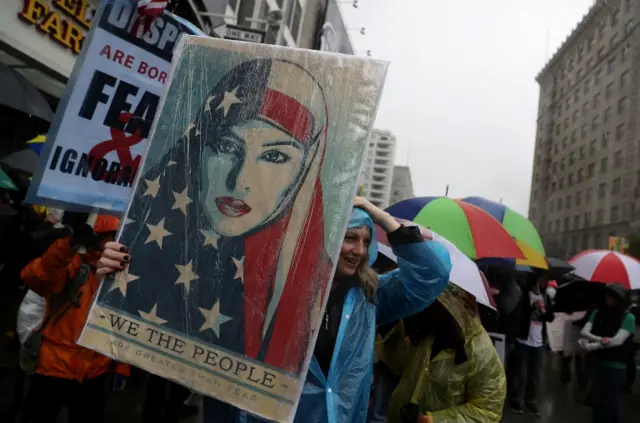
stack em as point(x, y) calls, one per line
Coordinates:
point(464, 272)
point(606, 266)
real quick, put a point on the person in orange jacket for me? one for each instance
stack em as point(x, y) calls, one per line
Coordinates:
point(68, 374)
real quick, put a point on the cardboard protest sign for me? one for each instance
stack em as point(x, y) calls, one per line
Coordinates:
point(237, 220)
point(100, 131)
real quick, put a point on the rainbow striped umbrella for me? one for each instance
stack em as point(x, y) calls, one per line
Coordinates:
point(516, 224)
point(37, 143)
point(475, 232)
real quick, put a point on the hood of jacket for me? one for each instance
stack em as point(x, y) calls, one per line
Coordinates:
point(360, 218)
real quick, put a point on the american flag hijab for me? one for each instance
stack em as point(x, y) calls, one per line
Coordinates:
point(263, 283)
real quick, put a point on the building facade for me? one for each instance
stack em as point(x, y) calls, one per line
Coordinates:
point(376, 173)
point(401, 184)
point(586, 170)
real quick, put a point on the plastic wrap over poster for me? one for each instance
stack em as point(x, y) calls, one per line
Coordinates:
point(237, 220)
point(100, 131)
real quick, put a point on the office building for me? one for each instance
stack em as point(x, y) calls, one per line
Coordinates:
point(377, 168)
point(586, 169)
point(401, 185)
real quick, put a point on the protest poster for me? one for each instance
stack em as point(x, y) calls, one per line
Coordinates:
point(99, 134)
point(562, 334)
point(237, 220)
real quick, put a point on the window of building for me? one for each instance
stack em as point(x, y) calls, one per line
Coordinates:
point(609, 91)
point(573, 138)
point(597, 77)
point(607, 114)
point(551, 203)
point(557, 226)
point(554, 167)
point(574, 118)
point(585, 108)
point(572, 158)
point(295, 19)
point(562, 164)
point(567, 226)
point(594, 122)
point(597, 241)
point(602, 190)
point(616, 186)
point(589, 195)
point(615, 214)
point(624, 79)
point(615, 18)
point(578, 198)
point(587, 86)
point(581, 153)
point(614, 41)
point(592, 148)
point(591, 170)
point(576, 96)
point(620, 132)
point(553, 187)
point(566, 123)
point(559, 204)
point(604, 165)
point(561, 183)
point(596, 100)
point(622, 105)
point(580, 175)
point(599, 216)
point(625, 52)
point(601, 52)
point(583, 131)
point(628, 27)
point(576, 222)
point(567, 202)
point(605, 139)
point(611, 65)
point(557, 129)
point(570, 180)
point(617, 159)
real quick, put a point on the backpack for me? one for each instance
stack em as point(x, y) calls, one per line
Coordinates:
point(30, 349)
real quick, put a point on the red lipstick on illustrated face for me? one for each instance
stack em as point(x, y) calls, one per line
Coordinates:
point(232, 207)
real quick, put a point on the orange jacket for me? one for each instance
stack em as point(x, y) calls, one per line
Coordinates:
point(60, 356)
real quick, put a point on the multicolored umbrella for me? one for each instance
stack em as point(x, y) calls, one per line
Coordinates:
point(6, 182)
point(464, 272)
point(37, 143)
point(606, 266)
point(472, 230)
point(516, 224)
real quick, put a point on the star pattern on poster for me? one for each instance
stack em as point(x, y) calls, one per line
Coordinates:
point(121, 280)
point(210, 238)
point(152, 315)
point(187, 131)
point(229, 99)
point(152, 187)
point(187, 274)
point(213, 318)
point(239, 268)
point(181, 201)
point(207, 103)
point(157, 233)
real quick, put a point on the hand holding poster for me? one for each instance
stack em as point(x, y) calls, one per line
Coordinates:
point(100, 132)
point(237, 220)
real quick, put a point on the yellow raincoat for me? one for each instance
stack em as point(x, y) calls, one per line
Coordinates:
point(473, 391)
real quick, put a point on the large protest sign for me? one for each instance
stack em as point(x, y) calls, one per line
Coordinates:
point(237, 220)
point(100, 131)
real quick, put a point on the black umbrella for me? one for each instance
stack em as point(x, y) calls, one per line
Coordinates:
point(25, 160)
point(577, 295)
point(20, 94)
point(558, 267)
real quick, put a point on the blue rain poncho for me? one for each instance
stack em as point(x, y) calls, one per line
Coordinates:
point(343, 396)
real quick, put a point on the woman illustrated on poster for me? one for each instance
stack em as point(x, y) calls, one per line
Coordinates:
point(241, 198)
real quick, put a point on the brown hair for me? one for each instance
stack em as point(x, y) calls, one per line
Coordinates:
point(368, 280)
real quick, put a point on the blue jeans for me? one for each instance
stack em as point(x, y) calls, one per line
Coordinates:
point(525, 366)
point(606, 392)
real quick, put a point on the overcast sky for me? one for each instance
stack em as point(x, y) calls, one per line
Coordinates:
point(461, 93)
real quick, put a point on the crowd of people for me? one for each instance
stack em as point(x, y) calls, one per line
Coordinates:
point(417, 349)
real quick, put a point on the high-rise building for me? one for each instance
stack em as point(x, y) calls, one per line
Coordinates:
point(401, 185)
point(586, 170)
point(377, 169)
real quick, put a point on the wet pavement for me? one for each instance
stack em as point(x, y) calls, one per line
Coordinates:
point(558, 403)
point(562, 404)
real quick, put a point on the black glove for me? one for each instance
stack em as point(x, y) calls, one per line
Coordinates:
point(410, 413)
point(83, 235)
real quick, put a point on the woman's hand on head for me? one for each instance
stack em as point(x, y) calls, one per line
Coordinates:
point(114, 258)
point(378, 215)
